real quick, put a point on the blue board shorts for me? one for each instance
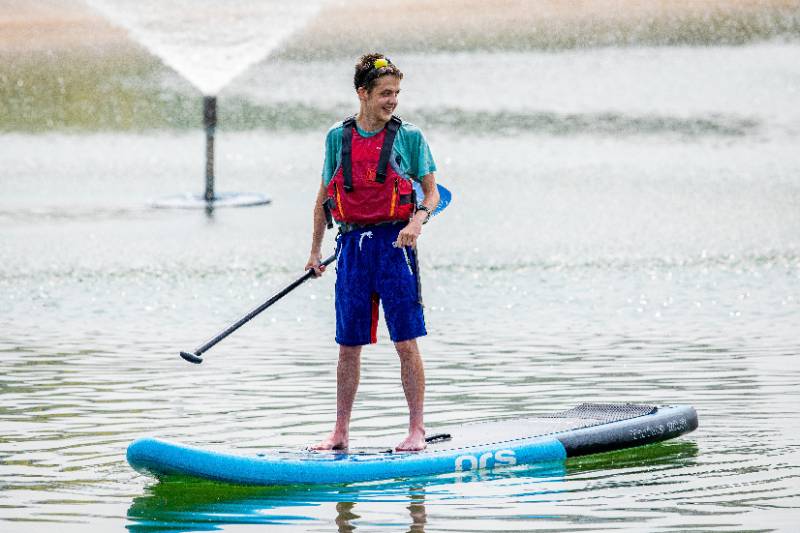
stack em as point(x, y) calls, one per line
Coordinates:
point(369, 270)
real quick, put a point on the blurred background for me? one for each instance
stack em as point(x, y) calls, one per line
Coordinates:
point(74, 65)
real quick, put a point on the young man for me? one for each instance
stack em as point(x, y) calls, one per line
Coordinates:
point(370, 160)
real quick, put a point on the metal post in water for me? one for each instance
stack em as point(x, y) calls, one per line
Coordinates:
point(210, 200)
point(210, 123)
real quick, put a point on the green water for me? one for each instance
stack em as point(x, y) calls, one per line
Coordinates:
point(624, 228)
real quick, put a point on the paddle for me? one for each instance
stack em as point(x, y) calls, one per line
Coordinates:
point(444, 197)
point(195, 356)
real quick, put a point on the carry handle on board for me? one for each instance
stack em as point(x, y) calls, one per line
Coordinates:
point(433, 439)
point(196, 355)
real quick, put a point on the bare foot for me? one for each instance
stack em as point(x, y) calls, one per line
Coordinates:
point(413, 443)
point(334, 442)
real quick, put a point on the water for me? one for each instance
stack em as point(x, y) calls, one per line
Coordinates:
point(624, 228)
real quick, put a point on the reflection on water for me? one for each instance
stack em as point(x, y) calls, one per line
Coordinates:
point(193, 505)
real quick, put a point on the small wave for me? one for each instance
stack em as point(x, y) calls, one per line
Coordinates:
point(552, 123)
point(789, 259)
point(48, 214)
point(242, 115)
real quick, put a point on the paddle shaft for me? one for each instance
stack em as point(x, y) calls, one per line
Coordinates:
point(249, 316)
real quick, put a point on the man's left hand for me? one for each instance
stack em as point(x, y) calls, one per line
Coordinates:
point(408, 235)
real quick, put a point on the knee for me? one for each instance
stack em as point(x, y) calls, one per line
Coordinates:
point(407, 350)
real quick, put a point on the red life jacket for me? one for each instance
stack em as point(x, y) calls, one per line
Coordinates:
point(366, 189)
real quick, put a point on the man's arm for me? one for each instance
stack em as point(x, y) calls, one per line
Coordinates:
point(408, 236)
point(319, 224)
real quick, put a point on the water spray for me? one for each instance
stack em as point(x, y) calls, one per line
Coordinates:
point(209, 55)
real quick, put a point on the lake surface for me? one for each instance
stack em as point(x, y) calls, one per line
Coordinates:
point(625, 227)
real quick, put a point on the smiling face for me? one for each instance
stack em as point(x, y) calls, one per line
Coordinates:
point(379, 103)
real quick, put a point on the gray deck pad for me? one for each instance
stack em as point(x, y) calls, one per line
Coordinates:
point(585, 415)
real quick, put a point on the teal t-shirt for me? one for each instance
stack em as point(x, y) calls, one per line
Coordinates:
point(416, 160)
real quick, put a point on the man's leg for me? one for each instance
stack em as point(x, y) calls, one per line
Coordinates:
point(412, 373)
point(348, 373)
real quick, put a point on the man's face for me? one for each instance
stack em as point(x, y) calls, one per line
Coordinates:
point(381, 101)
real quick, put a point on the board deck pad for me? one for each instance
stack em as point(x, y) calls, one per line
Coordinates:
point(475, 433)
point(585, 429)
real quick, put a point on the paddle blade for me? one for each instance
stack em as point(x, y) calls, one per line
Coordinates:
point(192, 358)
point(444, 197)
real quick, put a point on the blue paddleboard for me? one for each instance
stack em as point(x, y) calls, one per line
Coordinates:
point(583, 430)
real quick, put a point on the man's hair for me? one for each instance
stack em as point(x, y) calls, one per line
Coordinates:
point(367, 73)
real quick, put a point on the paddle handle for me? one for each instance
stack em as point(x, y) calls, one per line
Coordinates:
point(194, 357)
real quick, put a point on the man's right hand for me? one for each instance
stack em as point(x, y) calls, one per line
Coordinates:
point(315, 264)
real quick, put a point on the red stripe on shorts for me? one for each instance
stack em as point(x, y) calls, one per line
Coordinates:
point(373, 337)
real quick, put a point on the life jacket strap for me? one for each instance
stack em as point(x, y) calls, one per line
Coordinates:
point(347, 152)
point(346, 227)
point(410, 198)
point(327, 208)
point(386, 150)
